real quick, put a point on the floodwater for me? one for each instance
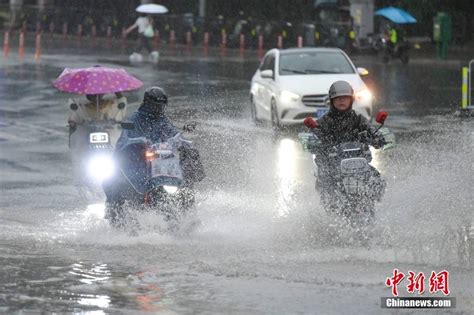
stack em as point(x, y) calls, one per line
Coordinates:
point(265, 245)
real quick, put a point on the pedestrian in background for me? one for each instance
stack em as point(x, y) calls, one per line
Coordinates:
point(145, 31)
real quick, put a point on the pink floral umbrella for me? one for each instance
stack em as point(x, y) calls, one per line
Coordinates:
point(96, 80)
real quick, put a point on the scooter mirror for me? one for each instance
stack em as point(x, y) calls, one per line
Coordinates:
point(191, 126)
point(127, 125)
point(381, 117)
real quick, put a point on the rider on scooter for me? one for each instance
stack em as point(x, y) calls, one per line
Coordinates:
point(151, 122)
point(342, 124)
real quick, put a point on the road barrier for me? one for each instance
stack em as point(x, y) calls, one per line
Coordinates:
point(172, 40)
point(223, 44)
point(91, 34)
point(124, 37)
point(65, 31)
point(38, 47)
point(206, 40)
point(223, 39)
point(6, 44)
point(79, 32)
point(206, 44)
point(466, 87)
point(300, 41)
point(242, 42)
point(51, 29)
point(260, 42)
point(21, 46)
point(109, 36)
point(94, 33)
point(156, 40)
point(189, 40)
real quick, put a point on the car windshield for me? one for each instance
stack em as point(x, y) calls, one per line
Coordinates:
point(314, 63)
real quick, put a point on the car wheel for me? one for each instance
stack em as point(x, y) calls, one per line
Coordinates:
point(275, 120)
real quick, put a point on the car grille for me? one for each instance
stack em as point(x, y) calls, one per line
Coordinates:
point(316, 100)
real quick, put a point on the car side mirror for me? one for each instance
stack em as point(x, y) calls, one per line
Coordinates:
point(267, 74)
point(362, 71)
point(381, 117)
point(127, 125)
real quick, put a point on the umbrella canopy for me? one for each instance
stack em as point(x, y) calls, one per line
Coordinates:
point(396, 15)
point(151, 8)
point(96, 80)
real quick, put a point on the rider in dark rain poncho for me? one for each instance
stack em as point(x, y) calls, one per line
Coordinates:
point(342, 124)
point(150, 122)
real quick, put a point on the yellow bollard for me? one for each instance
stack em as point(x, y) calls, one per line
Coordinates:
point(464, 88)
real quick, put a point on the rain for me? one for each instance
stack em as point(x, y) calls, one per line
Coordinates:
point(255, 236)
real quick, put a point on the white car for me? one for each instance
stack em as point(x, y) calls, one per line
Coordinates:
point(291, 84)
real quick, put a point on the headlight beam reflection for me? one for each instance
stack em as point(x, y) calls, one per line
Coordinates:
point(286, 169)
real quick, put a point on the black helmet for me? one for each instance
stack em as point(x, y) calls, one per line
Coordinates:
point(155, 100)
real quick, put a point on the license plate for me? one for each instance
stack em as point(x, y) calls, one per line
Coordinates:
point(320, 112)
point(166, 167)
point(98, 137)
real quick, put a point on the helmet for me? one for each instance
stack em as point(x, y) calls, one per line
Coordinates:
point(155, 99)
point(341, 88)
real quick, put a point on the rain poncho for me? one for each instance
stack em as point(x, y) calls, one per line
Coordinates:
point(337, 127)
point(155, 128)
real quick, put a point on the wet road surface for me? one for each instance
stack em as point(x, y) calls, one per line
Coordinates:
point(265, 244)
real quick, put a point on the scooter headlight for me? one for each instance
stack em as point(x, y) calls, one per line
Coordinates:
point(101, 167)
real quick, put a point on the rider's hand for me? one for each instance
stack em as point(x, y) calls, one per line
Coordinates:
point(310, 122)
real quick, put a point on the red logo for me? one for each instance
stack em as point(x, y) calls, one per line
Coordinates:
point(439, 282)
point(416, 282)
point(394, 281)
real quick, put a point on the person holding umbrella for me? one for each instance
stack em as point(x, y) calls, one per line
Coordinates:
point(95, 123)
point(97, 108)
point(95, 82)
point(144, 24)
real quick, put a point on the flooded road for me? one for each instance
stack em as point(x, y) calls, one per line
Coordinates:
point(265, 244)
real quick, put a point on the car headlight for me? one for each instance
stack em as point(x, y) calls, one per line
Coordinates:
point(364, 95)
point(170, 189)
point(101, 167)
point(287, 97)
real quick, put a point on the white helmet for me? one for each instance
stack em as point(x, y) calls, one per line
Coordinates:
point(341, 88)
